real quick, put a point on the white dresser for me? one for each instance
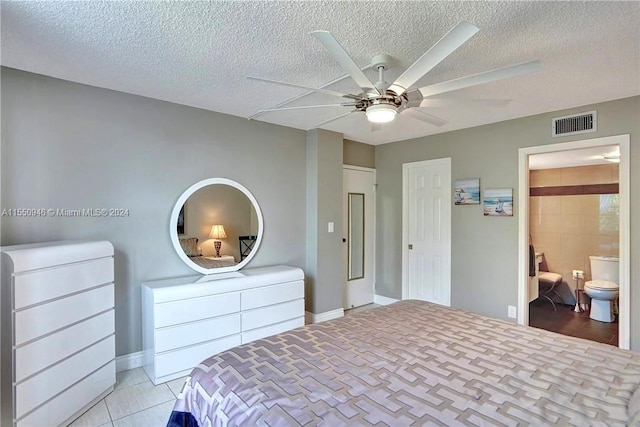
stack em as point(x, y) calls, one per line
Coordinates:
point(187, 319)
point(57, 323)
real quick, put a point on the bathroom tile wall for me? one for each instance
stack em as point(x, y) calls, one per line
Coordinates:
point(570, 228)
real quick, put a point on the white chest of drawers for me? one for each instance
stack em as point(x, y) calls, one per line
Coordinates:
point(58, 342)
point(187, 319)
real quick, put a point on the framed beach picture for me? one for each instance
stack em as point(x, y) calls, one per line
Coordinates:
point(498, 202)
point(467, 191)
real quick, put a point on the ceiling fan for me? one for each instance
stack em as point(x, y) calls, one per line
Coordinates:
point(380, 101)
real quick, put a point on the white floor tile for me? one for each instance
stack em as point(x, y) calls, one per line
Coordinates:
point(135, 398)
point(96, 416)
point(176, 385)
point(130, 377)
point(156, 416)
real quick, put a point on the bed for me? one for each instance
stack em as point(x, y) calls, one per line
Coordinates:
point(414, 363)
point(190, 247)
point(213, 262)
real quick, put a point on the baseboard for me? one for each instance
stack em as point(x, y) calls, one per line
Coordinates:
point(310, 318)
point(382, 300)
point(129, 361)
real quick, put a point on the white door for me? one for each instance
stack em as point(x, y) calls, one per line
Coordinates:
point(358, 227)
point(426, 254)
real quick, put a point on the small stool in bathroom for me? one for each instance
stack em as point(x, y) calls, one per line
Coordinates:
point(548, 282)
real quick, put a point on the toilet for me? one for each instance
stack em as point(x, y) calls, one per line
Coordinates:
point(603, 287)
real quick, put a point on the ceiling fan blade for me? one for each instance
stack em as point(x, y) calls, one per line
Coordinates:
point(343, 58)
point(325, 91)
point(335, 118)
point(481, 78)
point(444, 47)
point(308, 92)
point(449, 102)
point(425, 117)
point(303, 107)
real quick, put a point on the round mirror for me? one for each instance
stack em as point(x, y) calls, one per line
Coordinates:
point(216, 226)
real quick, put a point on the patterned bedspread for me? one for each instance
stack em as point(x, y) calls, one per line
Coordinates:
point(414, 363)
point(211, 262)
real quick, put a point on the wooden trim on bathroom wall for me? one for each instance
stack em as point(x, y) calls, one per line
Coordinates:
point(575, 190)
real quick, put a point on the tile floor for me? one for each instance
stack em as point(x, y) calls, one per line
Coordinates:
point(567, 322)
point(135, 401)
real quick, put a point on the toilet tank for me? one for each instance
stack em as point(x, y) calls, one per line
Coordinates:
point(604, 268)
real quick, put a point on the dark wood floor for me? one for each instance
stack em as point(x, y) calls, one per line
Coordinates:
point(565, 321)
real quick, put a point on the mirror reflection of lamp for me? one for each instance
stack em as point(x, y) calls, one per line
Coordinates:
point(217, 232)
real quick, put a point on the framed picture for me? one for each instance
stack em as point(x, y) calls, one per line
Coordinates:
point(467, 191)
point(498, 202)
point(182, 220)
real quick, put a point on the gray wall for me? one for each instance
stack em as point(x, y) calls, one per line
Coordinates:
point(358, 154)
point(66, 145)
point(324, 278)
point(485, 249)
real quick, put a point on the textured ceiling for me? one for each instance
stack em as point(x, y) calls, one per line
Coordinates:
point(199, 54)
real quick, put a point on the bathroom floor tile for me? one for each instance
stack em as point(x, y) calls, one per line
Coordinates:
point(567, 322)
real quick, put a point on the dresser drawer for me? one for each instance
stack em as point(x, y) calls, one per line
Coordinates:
point(51, 283)
point(270, 295)
point(43, 319)
point(42, 387)
point(266, 316)
point(189, 357)
point(267, 331)
point(189, 310)
point(69, 402)
point(173, 337)
point(46, 351)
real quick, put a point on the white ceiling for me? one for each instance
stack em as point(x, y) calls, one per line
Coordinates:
point(199, 53)
point(573, 158)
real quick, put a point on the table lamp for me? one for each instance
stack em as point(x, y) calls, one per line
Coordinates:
point(217, 232)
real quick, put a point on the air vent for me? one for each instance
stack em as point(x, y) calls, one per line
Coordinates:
point(574, 124)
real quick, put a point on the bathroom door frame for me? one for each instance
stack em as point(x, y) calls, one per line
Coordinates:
point(359, 291)
point(623, 141)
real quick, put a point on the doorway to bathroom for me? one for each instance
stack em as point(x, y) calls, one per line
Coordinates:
point(562, 225)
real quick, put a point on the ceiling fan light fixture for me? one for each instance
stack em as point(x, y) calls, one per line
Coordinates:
point(381, 113)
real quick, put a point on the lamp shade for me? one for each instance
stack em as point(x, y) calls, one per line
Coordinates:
point(381, 113)
point(217, 232)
